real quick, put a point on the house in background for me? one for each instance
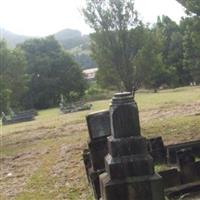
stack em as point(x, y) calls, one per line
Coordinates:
point(90, 74)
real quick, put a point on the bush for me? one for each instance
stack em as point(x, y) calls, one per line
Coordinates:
point(95, 92)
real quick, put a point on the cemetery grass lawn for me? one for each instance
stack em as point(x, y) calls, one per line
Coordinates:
point(41, 159)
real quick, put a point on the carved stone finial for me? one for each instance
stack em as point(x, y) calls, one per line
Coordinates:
point(124, 116)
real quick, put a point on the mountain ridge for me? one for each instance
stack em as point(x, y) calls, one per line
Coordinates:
point(72, 41)
point(14, 38)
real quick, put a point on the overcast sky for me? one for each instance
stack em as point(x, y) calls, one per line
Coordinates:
point(44, 17)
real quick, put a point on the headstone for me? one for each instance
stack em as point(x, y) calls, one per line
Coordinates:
point(129, 167)
point(157, 149)
point(99, 129)
point(98, 124)
point(173, 149)
point(186, 162)
point(171, 178)
point(87, 162)
point(197, 168)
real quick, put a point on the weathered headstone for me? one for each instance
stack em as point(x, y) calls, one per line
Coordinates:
point(186, 162)
point(197, 168)
point(99, 129)
point(171, 177)
point(87, 162)
point(129, 167)
point(157, 149)
point(98, 124)
point(174, 148)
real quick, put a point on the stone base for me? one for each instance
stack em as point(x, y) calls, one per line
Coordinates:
point(94, 182)
point(182, 189)
point(171, 178)
point(98, 150)
point(134, 188)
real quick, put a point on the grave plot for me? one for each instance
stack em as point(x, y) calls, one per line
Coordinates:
point(128, 171)
point(99, 128)
point(24, 116)
point(73, 106)
point(123, 166)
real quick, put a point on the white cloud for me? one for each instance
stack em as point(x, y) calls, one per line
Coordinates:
point(44, 17)
point(150, 9)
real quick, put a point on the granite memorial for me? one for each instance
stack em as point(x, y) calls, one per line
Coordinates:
point(99, 129)
point(129, 169)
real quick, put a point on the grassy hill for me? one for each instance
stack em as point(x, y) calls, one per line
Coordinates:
point(42, 159)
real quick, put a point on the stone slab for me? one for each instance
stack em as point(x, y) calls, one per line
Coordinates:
point(98, 124)
point(182, 189)
point(140, 188)
point(170, 177)
point(172, 150)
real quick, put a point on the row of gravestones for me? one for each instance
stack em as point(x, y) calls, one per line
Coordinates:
point(184, 179)
point(118, 162)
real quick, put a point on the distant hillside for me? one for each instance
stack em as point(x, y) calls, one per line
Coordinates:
point(67, 34)
point(78, 45)
point(11, 38)
point(72, 40)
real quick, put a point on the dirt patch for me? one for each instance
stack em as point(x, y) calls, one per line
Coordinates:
point(31, 136)
point(15, 171)
point(68, 170)
point(26, 150)
point(170, 111)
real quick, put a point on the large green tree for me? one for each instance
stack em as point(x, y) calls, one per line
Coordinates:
point(191, 47)
point(13, 77)
point(192, 6)
point(53, 72)
point(191, 39)
point(171, 49)
point(151, 72)
point(112, 45)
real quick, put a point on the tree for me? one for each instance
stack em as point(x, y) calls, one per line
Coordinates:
point(191, 47)
point(191, 39)
point(5, 94)
point(4, 91)
point(12, 77)
point(53, 72)
point(171, 49)
point(112, 45)
point(151, 72)
point(192, 6)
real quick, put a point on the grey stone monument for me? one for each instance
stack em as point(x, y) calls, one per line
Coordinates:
point(186, 163)
point(129, 167)
point(99, 129)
